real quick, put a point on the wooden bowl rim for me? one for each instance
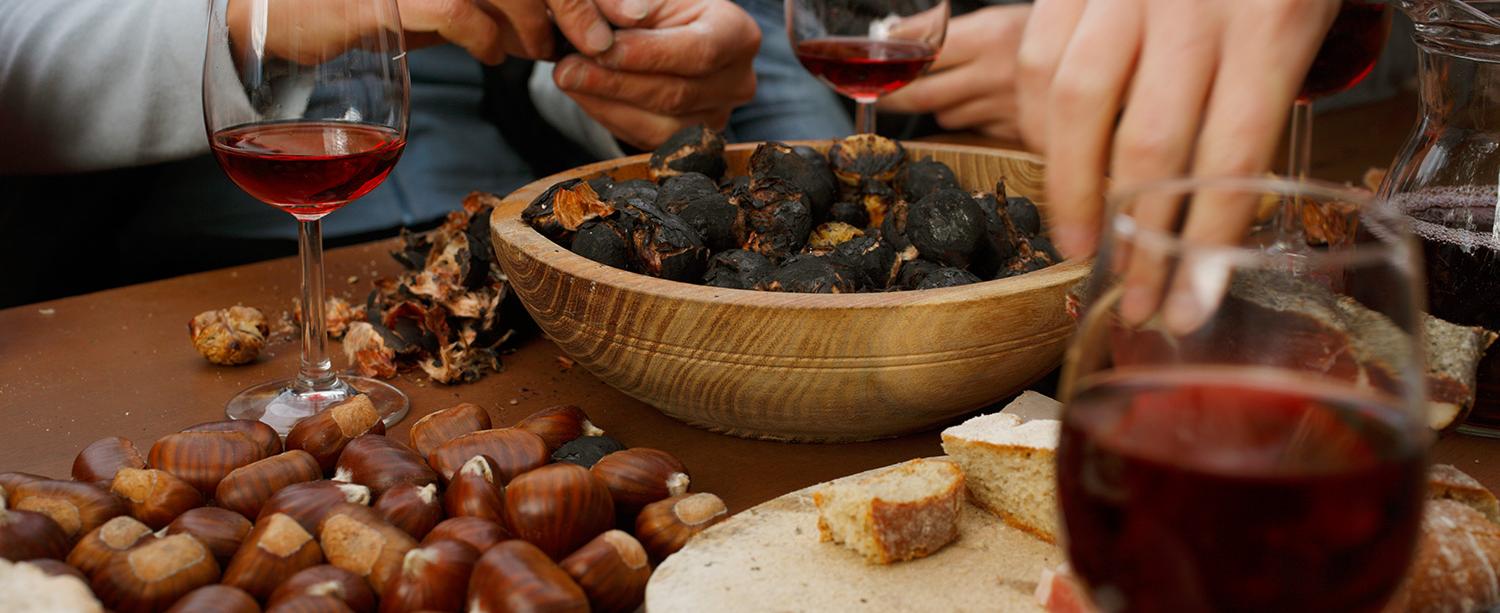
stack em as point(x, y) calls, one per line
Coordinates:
point(509, 229)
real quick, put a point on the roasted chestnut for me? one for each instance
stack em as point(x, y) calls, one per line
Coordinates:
point(613, 570)
point(439, 427)
point(665, 526)
point(559, 424)
point(913, 272)
point(380, 463)
point(327, 580)
point(558, 212)
point(945, 227)
point(692, 149)
point(586, 450)
point(947, 276)
point(776, 221)
point(665, 246)
point(919, 179)
point(434, 576)
point(852, 212)
point(248, 488)
point(98, 462)
point(871, 257)
point(696, 199)
point(828, 236)
point(1021, 210)
point(517, 576)
point(637, 190)
point(558, 508)
point(606, 241)
point(153, 576)
point(276, 549)
point(737, 269)
point(220, 530)
point(154, 496)
point(324, 434)
point(511, 451)
point(877, 198)
point(811, 274)
point(1000, 241)
point(866, 156)
point(1033, 254)
point(806, 170)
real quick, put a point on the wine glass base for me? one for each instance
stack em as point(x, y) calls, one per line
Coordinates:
point(279, 405)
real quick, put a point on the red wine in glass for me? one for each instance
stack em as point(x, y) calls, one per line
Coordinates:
point(1349, 52)
point(1218, 488)
point(308, 169)
point(862, 68)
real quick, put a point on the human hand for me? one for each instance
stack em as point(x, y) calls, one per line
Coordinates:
point(972, 85)
point(686, 62)
point(1205, 89)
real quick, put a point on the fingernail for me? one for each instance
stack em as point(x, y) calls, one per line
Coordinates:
point(600, 37)
point(1183, 314)
point(1136, 305)
point(1074, 241)
point(636, 9)
point(571, 77)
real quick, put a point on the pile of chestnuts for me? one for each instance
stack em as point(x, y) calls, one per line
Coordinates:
point(863, 218)
point(547, 514)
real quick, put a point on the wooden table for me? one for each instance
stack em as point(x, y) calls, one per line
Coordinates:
point(119, 363)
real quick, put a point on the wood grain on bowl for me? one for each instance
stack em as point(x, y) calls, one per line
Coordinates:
point(797, 367)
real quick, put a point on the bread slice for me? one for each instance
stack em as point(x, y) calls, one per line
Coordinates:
point(1010, 463)
point(905, 512)
point(1446, 482)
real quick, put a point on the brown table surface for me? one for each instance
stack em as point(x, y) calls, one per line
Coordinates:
point(119, 362)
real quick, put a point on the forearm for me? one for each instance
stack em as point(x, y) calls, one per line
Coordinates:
point(95, 84)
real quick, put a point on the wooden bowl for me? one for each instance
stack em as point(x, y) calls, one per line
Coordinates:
point(796, 367)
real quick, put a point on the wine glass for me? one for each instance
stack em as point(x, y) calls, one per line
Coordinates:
point(1347, 56)
point(1267, 455)
point(306, 108)
point(865, 49)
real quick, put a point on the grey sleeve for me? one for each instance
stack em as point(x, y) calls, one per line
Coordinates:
point(95, 84)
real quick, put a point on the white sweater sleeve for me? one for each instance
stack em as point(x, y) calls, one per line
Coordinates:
point(95, 84)
point(564, 114)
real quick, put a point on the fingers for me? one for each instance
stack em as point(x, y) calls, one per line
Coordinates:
point(458, 21)
point(530, 26)
point(583, 25)
point(1048, 31)
point(722, 35)
point(986, 30)
point(992, 117)
point(640, 128)
point(1083, 102)
point(660, 93)
point(939, 91)
point(1155, 137)
point(629, 13)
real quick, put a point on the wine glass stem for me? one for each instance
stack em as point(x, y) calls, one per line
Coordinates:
point(1299, 161)
point(864, 115)
point(316, 373)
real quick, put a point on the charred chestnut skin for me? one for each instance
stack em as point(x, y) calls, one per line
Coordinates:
point(947, 276)
point(811, 274)
point(692, 149)
point(585, 451)
point(803, 168)
point(776, 221)
point(606, 241)
point(696, 199)
point(946, 227)
point(866, 156)
point(558, 212)
point(737, 269)
point(663, 245)
point(871, 258)
point(919, 179)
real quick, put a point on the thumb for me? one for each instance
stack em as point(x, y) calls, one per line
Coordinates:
point(628, 13)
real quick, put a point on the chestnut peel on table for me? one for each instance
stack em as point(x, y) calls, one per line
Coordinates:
point(863, 218)
point(545, 511)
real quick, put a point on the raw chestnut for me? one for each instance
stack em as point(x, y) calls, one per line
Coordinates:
point(613, 571)
point(101, 544)
point(473, 492)
point(76, 507)
point(479, 533)
point(434, 576)
point(155, 497)
point(99, 462)
point(439, 427)
point(25, 535)
point(58, 568)
point(326, 580)
point(640, 476)
point(692, 149)
point(511, 451)
point(866, 156)
point(380, 464)
point(248, 488)
point(559, 424)
point(811, 274)
point(356, 539)
point(558, 508)
point(516, 576)
point(220, 530)
point(9, 481)
point(324, 434)
point(665, 526)
point(204, 458)
point(276, 549)
point(586, 450)
point(216, 599)
point(412, 508)
point(737, 269)
point(310, 604)
point(310, 502)
point(153, 576)
point(260, 432)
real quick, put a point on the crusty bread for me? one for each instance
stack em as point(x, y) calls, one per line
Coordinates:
point(1457, 563)
point(1446, 482)
point(1010, 464)
point(905, 512)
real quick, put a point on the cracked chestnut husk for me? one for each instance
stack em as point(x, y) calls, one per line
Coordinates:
point(893, 226)
point(811, 274)
point(737, 269)
point(866, 156)
point(850, 212)
point(776, 221)
point(877, 198)
point(558, 212)
point(665, 246)
point(778, 162)
point(828, 236)
point(606, 241)
point(947, 276)
point(871, 257)
point(1001, 239)
point(229, 337)
point(1034, 254)
point(945, 227)
point(919, 179)
point(691, 149)
point(1021, 210)
point(585, 451)
point(696, 199)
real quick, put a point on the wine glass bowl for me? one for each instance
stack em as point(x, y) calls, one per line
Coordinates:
point(1269, 457)
point(306, 105)
point(865, 49)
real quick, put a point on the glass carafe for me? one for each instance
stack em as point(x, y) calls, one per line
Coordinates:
point(1446, 175)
